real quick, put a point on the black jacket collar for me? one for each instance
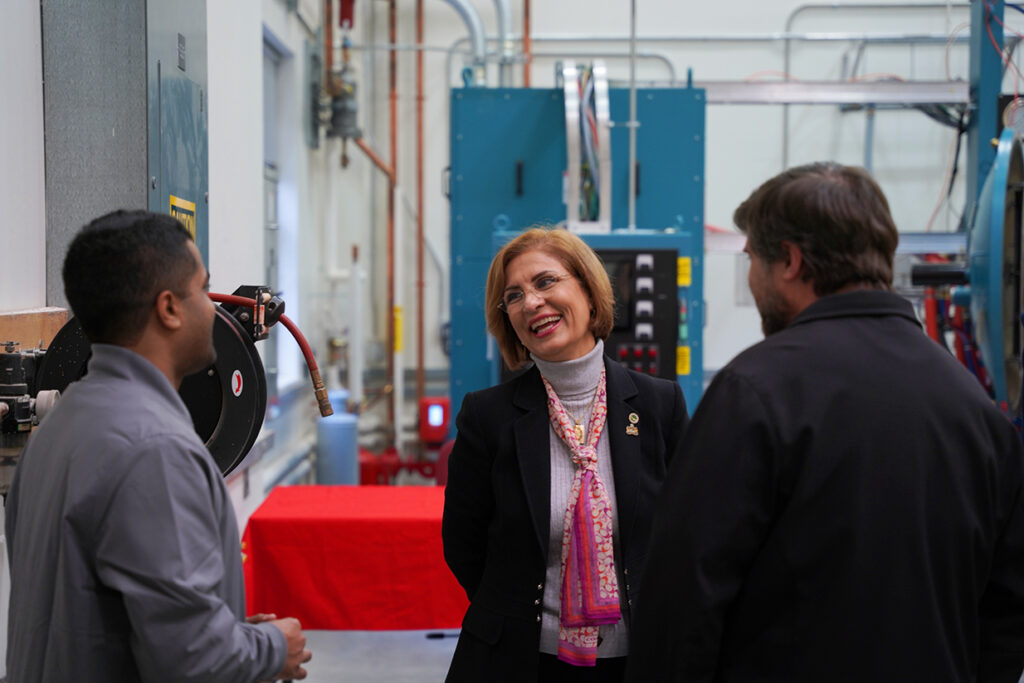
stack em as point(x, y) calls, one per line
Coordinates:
point(871, 302)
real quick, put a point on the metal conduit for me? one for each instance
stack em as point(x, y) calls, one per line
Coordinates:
point(504, 11)
point(890, 38)
point(589, 54)
point(476, 35)
point(811, 36)
point(893, 38)
point(837, 6)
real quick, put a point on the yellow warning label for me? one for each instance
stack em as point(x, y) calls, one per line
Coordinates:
point(398, 329)
point(682, 360)
point(184, 211)
point(685, 271)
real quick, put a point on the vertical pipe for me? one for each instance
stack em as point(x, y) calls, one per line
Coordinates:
point(357, 314)
point(371, 100)
point(355, 338)
point(526, 43)
point(785, 107)
point(986, 83)
point(328, 48)
point(869, 138)
point(420, 377)
point(393, 107)
point(504, 15)
point(632, 115)
point(397, 402)
point(330, 258)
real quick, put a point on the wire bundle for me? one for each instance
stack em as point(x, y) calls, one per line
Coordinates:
point(590, 172)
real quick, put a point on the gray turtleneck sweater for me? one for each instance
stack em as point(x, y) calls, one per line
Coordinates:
point(575, 381)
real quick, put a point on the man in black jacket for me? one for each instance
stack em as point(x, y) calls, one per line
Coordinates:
point(847, 502)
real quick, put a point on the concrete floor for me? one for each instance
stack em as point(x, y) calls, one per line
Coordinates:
point(379, 656)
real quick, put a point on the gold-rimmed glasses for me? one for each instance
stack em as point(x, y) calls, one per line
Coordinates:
point(514, 297)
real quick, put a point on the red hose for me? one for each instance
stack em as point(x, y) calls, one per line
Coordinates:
point(314, 371)
point(958, 321)
point(931, 314)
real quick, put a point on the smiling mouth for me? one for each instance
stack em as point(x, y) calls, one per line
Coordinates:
point(545, 324)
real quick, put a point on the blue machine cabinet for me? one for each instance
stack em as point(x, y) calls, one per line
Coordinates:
point(508, 159)
point(179, 115)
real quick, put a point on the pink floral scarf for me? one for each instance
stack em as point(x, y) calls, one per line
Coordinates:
point(590, 591)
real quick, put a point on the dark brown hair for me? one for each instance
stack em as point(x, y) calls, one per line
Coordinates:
point(838, 217)
point(581, 262)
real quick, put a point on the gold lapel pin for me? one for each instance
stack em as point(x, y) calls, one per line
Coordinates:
point(631, 427)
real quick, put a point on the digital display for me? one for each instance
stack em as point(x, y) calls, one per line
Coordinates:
point(620, 272)
point(435, 415)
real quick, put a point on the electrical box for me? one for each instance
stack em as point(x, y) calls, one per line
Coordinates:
point(125, 87)
point(435, 416)
point(179, 114)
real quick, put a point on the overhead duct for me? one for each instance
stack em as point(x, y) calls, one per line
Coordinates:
point(477, 38)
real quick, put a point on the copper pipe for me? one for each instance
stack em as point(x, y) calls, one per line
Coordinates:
point(367, 403)
point(420, 374)
point(393, 101)
point(390, 173)
point(329, 49)
point(526, 44)
point(377, 161)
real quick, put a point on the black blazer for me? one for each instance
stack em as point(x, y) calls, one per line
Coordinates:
point(497, 508)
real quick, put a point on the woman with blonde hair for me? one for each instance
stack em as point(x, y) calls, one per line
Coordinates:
point(553, 475)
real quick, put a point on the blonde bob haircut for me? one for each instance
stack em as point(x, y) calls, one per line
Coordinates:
point(579, 260)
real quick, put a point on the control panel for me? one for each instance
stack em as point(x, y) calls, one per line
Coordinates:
point(647, 322)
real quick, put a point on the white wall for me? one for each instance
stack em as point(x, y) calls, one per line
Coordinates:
point(234, 59)
point(23, 228)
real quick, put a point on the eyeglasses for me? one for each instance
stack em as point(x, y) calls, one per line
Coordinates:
point(513, 299)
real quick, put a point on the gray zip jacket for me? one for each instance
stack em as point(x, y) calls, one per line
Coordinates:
point(124, 550)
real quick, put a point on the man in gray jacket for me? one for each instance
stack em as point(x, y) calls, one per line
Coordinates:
point(124, 549)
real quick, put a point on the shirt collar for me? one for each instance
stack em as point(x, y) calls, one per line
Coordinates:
point(110, 360)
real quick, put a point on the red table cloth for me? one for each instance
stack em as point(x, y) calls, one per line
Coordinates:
point(352, 557)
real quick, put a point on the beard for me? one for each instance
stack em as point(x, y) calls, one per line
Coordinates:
point(775, 313)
